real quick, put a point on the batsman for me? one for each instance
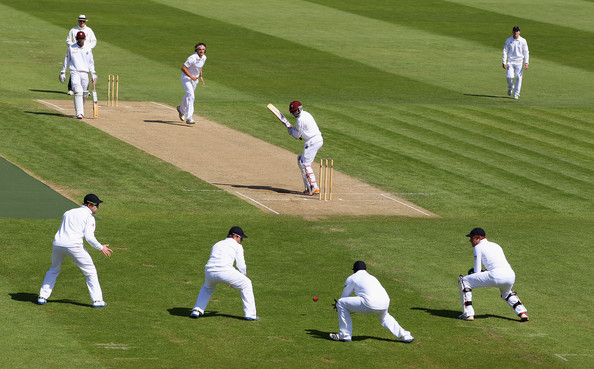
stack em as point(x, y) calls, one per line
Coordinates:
point(307, 129)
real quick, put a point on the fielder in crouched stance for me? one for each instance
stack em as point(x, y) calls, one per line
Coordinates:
point(306, 128)
point(370, 298)
point(79, 59)
point(219, 269)
point(498, 274)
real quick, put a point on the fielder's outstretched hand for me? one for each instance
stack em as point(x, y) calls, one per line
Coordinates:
point(106, 250)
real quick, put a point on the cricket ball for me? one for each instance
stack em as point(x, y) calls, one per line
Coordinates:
point(315, 298)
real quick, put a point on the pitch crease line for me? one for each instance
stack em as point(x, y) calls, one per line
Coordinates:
point(49, 103)
point(257, 202)
point(400, 202)
point(163, 106)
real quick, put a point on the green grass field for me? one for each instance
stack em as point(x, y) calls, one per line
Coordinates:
point(409, 97)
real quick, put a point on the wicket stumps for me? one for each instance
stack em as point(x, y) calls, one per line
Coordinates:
point(325, 180)
point(113, 88)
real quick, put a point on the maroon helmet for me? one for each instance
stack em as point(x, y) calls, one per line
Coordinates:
point(81, 35)
point(295, 108)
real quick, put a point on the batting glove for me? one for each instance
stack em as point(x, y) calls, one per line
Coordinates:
point(62, 77)
point(95, 78)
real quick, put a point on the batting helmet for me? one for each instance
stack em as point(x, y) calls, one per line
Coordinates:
point(80, 35)
point(295, 108)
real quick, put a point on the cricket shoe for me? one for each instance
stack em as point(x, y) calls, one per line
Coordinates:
point(408, 339)
point(80, 116)
point(99, 304)
point(41, 300)
point(190, 121)
point(182, 116)
point(516, 97)
point(195, 314)
point(70, 92)
point(251, 319)
point(510, 91)
point(468, 318)
point(337, 337)
point(314, 192)
point(524, 317)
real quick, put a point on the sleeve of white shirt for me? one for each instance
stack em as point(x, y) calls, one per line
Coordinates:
point(504, 60)
point(526, 52)
point(90, 233)
point(240, 261)
point(349, 287)
point(477, 259)
point(66, 61)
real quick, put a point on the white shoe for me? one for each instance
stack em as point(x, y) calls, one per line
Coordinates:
point(70, 92)
point(99, 304)
point(336, 337)
point(195, 314)
point(516, 97)
point(182, 116)
point(190, 121)
point(408, 339)
point(468, 318)
point(524, 317)
point(80, 116)
point(41, 300)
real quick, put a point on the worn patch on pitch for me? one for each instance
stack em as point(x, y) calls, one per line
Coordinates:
point(232, 161)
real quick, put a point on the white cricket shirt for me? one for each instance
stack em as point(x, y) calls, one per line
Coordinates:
point(306, 127)
point(516, 51)
point(490, 255)
point(76, 224)
point(223, 254)
point(79, 59)
point(368, 288)
point(194, 63)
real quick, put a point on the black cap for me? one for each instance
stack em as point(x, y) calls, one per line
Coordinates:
point(476, 232)
point(359, 265)
point(92, 199)
point(516, 29)
point(237, 231)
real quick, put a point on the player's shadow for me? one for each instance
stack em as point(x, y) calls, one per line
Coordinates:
point(184, 312)
point(32, 298)
point(50, 91)
point(326, 336)
point(51, 114)
point(490, 96)
point(453, 314)
point(260, 187)
point(168, 122)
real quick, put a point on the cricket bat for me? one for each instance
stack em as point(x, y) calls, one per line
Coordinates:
point(279, 115)
point(95, 101)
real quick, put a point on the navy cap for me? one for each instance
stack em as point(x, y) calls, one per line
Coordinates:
point(516, 29)
point(92, 199)
point(359, 265)
point(237, 231)
point(477, 232)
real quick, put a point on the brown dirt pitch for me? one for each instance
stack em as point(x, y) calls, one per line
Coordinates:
point(251, 169)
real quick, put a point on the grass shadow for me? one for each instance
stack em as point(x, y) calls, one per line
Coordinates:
point(453, 314)
point(326, 336)
point(168, 122)
point(32, 298)
point(50, 91)
point(489, 96)
point(50, 114)
point(184, 312)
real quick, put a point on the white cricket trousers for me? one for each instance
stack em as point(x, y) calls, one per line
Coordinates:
point(503, 279)
point(517, 71)
point(83, 260)
point(235, 279)
point(354, 304)
point(187, 103)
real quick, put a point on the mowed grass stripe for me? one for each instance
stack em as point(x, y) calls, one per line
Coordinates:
point(426, 145)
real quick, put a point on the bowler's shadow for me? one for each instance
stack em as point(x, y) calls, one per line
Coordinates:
point(326, 336)
point(453, 314)
point(168, 122)
point(260, 187)
point(32, 298)
point(184, 312)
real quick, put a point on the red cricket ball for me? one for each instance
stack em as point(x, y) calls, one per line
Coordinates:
point(315, 298)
